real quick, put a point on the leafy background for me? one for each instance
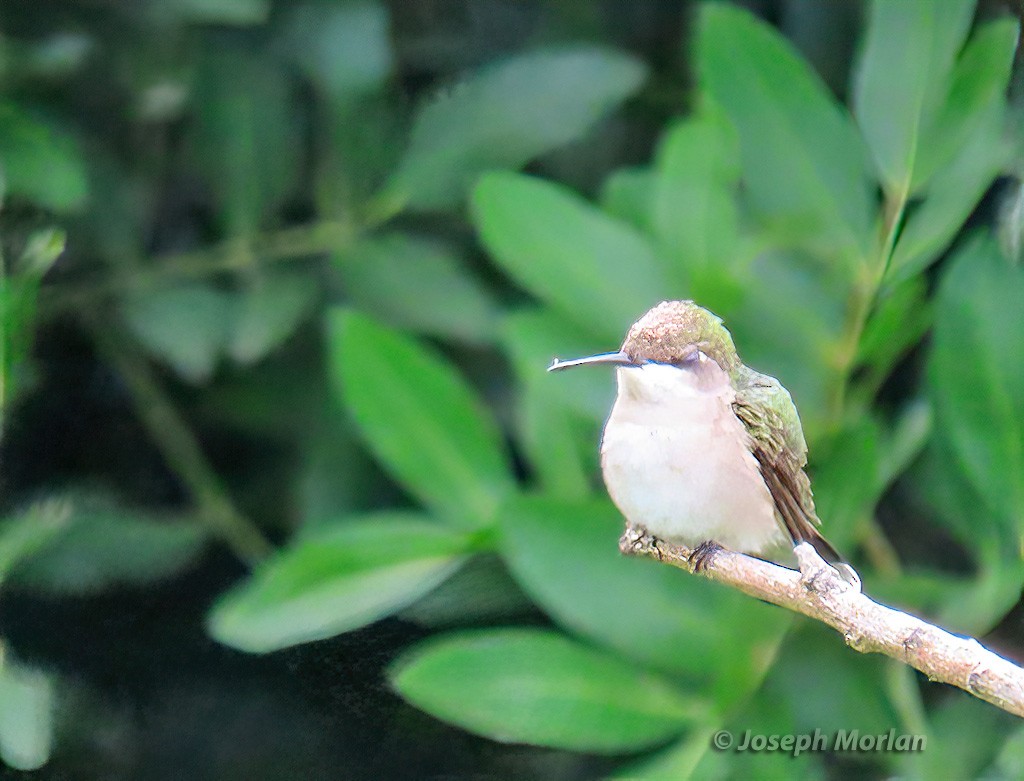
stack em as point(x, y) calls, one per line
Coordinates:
point(286, 490)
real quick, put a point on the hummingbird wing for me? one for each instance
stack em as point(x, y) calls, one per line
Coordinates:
point(777, 442)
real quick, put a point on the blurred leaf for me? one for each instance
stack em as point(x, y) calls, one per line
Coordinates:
point(904, 441)
point(26, 715)
point(481, 590)
point(100, 549)
point(507, 114)
point(814, 659)
point(964, 737)
point(903, 79)
point(337, 581)
point(26, 533)
point(789, 324)
point(539, 687)
point(420, 418)
point(847, 484)
point(594, 269)
point(267, 313)
point(345, 49)
point(983, 601)
point(38, 163)
point(804, 163)
point(186, 327)
point(951, 196)
point(627, 195)
point(694, 211)
point(902, 316)
point(419, 284)
point(550, 437)
point(533, 337)
point(653, 613)
point(244, 133)
point(234, 12)
point(978, 82)
point(1009, 764)
point(19, 289)
point(977, 373)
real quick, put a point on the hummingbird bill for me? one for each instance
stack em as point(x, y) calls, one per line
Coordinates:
point(699, 449)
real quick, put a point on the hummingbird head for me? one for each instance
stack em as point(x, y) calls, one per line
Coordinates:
point(672, 333)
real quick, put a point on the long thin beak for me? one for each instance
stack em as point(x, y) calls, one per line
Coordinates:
point(617, 358)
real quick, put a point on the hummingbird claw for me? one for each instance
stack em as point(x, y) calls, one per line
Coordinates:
point(700, 557)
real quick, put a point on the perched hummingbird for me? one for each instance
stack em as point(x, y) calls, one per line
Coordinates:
point(699, 448)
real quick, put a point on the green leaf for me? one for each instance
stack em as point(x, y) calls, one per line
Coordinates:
point(267, 313)
point(420, 284)
point(566, 557)
point(186, 327)
point(538, 687)
point(244, 134)
point(345, 49)
point(98, 549)
point(550, 434)
point(420, 418)
point(38, 163)
point(979, 81)
point(951, 196)
point(532, 337)
point(694, 211)
point(337, 581)
point(507, 114)
point(847, 479)
point(26, 715)
point(903, 314)
point(22, 536)
point(229, 12)
point(903, 79)
point(804, 164)
point(595, 270)
point(977, 372)
point(627, 195)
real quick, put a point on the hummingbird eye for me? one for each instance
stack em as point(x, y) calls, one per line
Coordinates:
point(691, 359)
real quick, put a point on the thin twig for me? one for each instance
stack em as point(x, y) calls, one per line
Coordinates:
point(818, 592)
point(181, 450)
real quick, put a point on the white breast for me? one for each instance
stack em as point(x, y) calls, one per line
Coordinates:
point(676, 462)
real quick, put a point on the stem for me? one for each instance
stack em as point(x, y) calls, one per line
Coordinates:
point(862, 299)
point(232, 254)
point(182, 452)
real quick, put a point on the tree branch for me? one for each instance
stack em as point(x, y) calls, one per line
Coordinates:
point(818, 592)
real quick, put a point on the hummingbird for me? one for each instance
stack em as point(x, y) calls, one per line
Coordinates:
point(701, 450)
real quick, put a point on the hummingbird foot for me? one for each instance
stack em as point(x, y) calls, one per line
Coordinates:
point(813, 568)
point(701, 556)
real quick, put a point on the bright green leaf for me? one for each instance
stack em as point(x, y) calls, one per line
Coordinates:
point(978, 82)
point(597, 271)
point(539, 687)
point(550, 434)
point(420, 418)
point(507, 114)
point(38, 163)
point(903, 79)
point(977, 372)
point(694, 211)
point(626, 195)
point(336, 581)
point(951, 196)
point(533, 337)
point(804, 164)
point(847, 479)
point(417, 283)
point(566, 556)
